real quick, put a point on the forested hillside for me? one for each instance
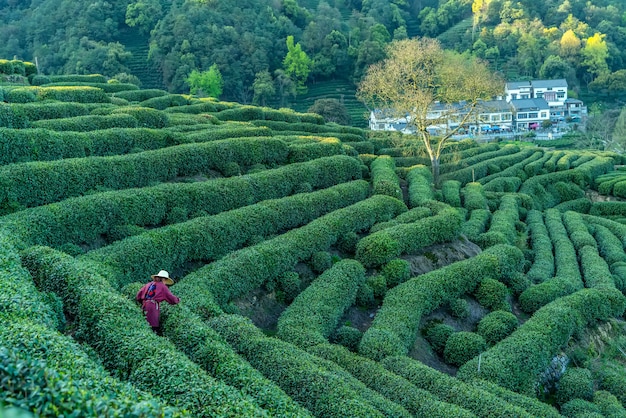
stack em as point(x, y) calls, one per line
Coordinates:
point(582, 41)
point(321, 272)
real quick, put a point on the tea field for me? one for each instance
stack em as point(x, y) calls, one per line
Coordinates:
point(321, 271)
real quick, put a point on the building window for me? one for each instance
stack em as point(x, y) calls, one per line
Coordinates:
point(560, 94)
point(525, 96)
point(544, 115)
point(522, 115)
point(514, 96)
point(539, 94)
point(533, 115)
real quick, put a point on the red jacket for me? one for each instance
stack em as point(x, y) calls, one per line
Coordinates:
point(150, 295)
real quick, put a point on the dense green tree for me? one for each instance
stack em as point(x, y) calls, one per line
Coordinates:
point(297, 65)
point(332, 110)
point(595, 53)
point(144, 14)
point(263, 88)
point(206, 83)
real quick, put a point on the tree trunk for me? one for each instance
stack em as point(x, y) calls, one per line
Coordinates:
point(434, 163)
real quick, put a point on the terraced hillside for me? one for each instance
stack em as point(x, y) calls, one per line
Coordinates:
point(321, 272)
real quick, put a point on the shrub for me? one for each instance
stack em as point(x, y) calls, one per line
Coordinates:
point(576, 383)
point(473, 196)
point(451, 190)
point(476, 224)
point(496, 326)
point(437, 335)
point(290, 283)
point(420, 190)
point(463, 346)
point(347, 243)
point(12, 116)
point(365, 296)
point(321, 261)
point(87, 123)
point(580, 408)
point(459, 308)
point(608, 403)
point(348, 337)
point(492, 295)
point(396, 271)
point(378, 283)
point(384, 177)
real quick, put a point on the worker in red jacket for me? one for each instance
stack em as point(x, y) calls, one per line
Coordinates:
point(152, 294)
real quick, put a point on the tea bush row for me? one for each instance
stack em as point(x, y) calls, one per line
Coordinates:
point(318, 385)
point(473, 196)
point(385, 245)
point(395, 325)
point(503, 224)
point(568, 278)
point(417, 401)
point(480, 402)
point(256, 113)
point(315, 127)
point(251, 267)
point(595, 270)
point(83, 220)
point(577, 231)
point(420, 188)
point(88, 123)
point(476, 155)
point(537, 167)
point(516, 362)
point(480, 170)
point(79, 94)
point(19, 67)
point(409, 216)
point(105, 87)
point(476, 225)
point(211, 237)
point(39, 183)
point(384, 178)
point(514, 170)
point(127, 347)
point(139, 95)
point(314, 314)
point(451, 193)
point(542, 267)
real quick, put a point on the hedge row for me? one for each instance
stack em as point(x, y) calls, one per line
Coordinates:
point(478, 171)
point(12, 116)
point(105, 87)
point(211, 237)
point(502, 229)
point(256, 113)
point(602, 209)
point(77, 94)
point(18, 67)
point(606, 183)
point(78, 78)
point(610, 246)
point(595, 270)
point(206, 348)
point(577, 231)
point(147, 117)
point(314, 148)
point(568, 278)
point(477, 155)
point(451, 193)
point(251, 267)
point(514, 170)
point(88, 123)
point(139, 95)
point(618, 229)
point(85, 219)
point(320, 386)
point(409, 216)
point(536, 167)
point(504, 184)
point(417, 401)
point(477, 223)
point(383, 246)
point(307, 126)
point(384, 178)
point(565, 162)
point(120, 335)
point(202, 106)
point(46, 372)
point(167, 101)
point(516, 362)
point(38, 183)
point(420, 181)
point(473, 195)
point(396, 323)
point(54, 110)
point(543, 258)
point(581, 205)
point(479, 401)
point(314, 314)
point(555, 156)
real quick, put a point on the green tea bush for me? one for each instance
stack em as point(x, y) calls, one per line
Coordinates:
point(12, 116)
point(530, 403)
point(21, 95)
point(383, 246)
point(314, 314)
point(347, 243)
point(502, 229)
point(88, 123)
point(477, 172)
point(451, 191)
point(473, 156)
point(466, 395)
point(124, 342)
point(576, 383)
point(582, 205)
point(378, 283)
point(504, 184)
point(420, 189)
point(48, 181)
point(608, 209)
point(321, 261)
point(497, 325)
point(317, 148)
point(39, 80)
point(85, 219)
point(308, 126)
point(348, 337)
point(543, 259)
point(321, 387)
point(437, 335)
point(79, 94)
point(610, 246)
point(609, 404)
point(595, 270)
point(54, 110)
point(516, 362)
point(167, 101)
point(577, 230)
point(396, 271)
point(78, 78)
point(459, 308)
point(580, 408)
point(473, 196)
point(384, 178)
point(536, 167)
point(146, 117)
point(395, 325)
point(417, 401)
point(139, 95)
point(209, 238)
point(476, 224)
point(492, 294)
point(462, 346)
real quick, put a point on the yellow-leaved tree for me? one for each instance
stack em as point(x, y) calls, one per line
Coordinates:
point(418, 77)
